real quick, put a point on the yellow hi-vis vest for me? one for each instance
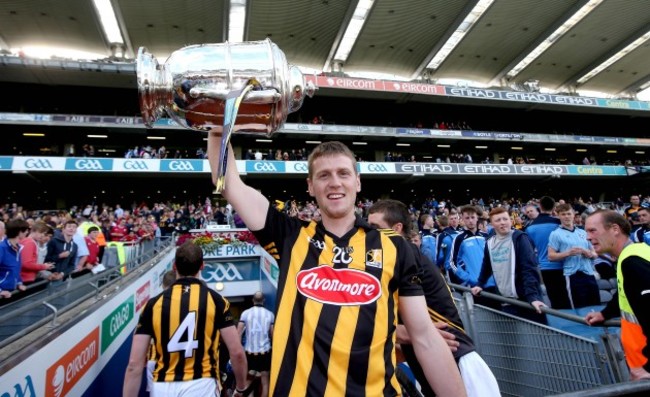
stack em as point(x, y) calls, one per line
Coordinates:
point(121, 254)
point(632, 336)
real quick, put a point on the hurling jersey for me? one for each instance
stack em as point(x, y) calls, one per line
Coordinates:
point(337, 304)
point(442, 308)
point(184, 322)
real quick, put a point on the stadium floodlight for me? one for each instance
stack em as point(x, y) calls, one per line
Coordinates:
point(109, 21)
point(402, 144)
point(33, 134)
point(620, 54)
point(156, 138)
point(462, 29)
point(444, 146)
point(354, 28)
point(644, 92)
point(97, 136)
point(236, 21)
point(555, 36)
point(264, 140)
point(581, 150)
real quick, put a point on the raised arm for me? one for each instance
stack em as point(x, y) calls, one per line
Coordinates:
point(249, 203)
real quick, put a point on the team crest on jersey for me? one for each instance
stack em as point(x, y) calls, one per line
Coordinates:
point(374, 258)
point(342, 287)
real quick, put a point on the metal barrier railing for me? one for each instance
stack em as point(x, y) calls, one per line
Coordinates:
point(22, 317)
point(640, 389)
point(531, 359)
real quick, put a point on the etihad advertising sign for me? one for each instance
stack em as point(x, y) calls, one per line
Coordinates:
point(65, 373)
point(480, 169)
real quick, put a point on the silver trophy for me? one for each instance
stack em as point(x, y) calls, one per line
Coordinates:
point(243, 87)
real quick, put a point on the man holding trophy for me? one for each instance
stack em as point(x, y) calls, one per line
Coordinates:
point(342, 284)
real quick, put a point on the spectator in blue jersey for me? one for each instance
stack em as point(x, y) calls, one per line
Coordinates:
point(510, 258)
point(642, 233)
point(428, 238)
point(539, 231)
point(16, 230)
point(449, 230)
point(466, 258)
point(569, 244)
point(257, 322)
point(478, 378)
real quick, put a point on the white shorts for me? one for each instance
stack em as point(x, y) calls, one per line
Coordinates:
point(198, 387)
point(151, 365)
point(478, 378)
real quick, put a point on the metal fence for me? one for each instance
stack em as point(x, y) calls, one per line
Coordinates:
point(44, 302)
point(529, 359)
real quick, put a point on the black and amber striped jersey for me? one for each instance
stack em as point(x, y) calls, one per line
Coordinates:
point(440, 303)
point(337, 307)
point(442, 308)
point(185, 322)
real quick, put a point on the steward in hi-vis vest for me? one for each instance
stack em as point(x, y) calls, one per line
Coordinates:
point(609, 233)
point(634, 292)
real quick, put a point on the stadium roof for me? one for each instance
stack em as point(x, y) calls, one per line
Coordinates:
point(399, 38)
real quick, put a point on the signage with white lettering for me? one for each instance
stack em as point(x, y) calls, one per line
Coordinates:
point(238, 270)
point(136, 165)
point(480, 169)
point(376, 168)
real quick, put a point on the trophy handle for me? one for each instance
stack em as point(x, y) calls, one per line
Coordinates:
point(233, 100)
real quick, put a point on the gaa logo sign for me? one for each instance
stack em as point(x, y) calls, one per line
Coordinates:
point(265, 166)
point(135, 165)
point(300, 166)
point(88, 165)
point(377, 168)
point(38, 164)
point(181, 165)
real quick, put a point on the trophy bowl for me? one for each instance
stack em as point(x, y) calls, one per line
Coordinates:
point(197, 85)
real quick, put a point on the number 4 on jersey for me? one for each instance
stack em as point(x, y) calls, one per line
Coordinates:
point(187, 326)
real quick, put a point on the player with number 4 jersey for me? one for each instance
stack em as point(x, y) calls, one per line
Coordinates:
point(186, 322)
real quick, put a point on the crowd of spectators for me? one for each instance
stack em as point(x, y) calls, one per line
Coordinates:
point(52, 233)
